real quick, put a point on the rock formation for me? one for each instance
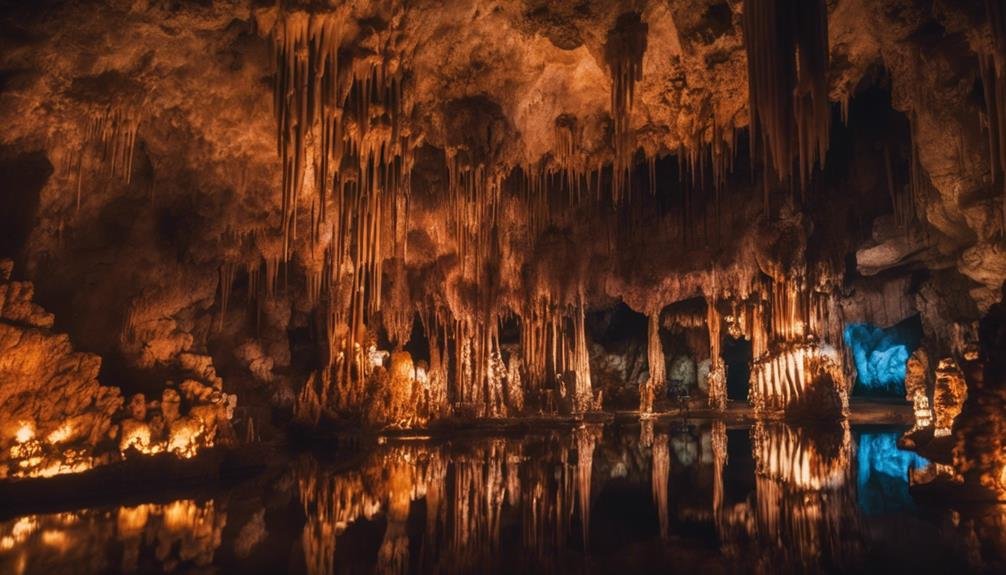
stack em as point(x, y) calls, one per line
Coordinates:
point(309, 200)
point(55, 413)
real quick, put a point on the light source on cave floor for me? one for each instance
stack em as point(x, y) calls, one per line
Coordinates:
point(60, 434)
point(25, 432)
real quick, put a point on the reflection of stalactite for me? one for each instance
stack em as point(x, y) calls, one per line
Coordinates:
point(586, 439)
point(184, 531)
point(800, 459)
point(547, 503)
point(332, 501)
point(660, 469)
point(719, 445)
point(475, 510)
point(805, 498)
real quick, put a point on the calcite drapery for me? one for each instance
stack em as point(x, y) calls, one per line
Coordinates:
point(804, 380)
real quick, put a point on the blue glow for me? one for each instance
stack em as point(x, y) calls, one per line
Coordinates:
point(880, 358)
point(882, 483)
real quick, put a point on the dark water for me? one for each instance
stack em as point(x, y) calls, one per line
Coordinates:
point(617, 499)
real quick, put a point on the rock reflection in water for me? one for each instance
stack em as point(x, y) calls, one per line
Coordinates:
point(661, 497)
point(466, 490)
point(173, 536)
point(803, 511)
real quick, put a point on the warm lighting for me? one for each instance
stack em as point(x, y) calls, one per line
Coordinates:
point(56, 539)
point(25, 433)
point(60, 434)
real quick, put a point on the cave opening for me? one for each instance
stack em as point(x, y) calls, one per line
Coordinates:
point(738, 354)
point(23, 175)
point(880, 355)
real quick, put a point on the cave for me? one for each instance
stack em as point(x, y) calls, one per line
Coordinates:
point(315, 286)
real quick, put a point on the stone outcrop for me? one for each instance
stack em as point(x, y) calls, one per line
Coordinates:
point(53, 411)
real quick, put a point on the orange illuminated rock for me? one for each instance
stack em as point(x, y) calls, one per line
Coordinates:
point(948, 399)
point(51, 403)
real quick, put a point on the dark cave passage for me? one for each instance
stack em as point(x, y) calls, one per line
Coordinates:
point(737, 354)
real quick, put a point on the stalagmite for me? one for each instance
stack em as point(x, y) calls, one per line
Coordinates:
point(917, 388)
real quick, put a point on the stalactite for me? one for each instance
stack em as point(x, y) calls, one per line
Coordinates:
point(787, 49)
point(114, 129)
point(717, 379)
point(993, 73)
point(624, 49)
point(789, 310)
point(797, 375)
point(227, 270)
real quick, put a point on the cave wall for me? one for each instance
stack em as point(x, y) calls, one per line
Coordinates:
point(164, 209)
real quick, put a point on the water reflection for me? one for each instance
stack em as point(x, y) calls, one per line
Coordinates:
point(183, 533)
point(802, 512)
point(767, 499)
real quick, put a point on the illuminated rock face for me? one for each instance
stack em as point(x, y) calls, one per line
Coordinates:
point(53, 411)
point(278, 184)
point(917, 377)
point(949, 396)
point(804, 381)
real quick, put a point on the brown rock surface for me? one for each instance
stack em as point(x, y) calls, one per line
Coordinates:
point(50, 397)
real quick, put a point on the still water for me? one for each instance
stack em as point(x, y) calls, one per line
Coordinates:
point(698, 497)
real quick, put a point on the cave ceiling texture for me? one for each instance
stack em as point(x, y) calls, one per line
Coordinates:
point(223, 220)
